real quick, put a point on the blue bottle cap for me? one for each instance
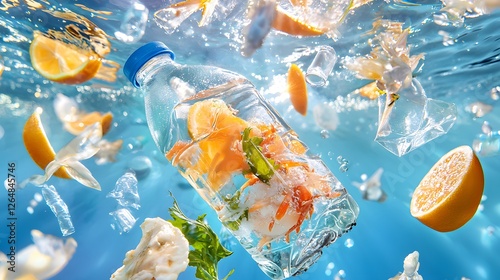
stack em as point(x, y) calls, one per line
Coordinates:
point(142, 55)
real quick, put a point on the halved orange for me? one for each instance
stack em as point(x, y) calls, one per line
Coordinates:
point(38, 146)
point(297, 88)
point(78, 126)
point(285, 23)
point(449, 194)
point(61, 62)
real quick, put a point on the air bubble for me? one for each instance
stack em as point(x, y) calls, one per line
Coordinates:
point(325, 134)
point(349, 243)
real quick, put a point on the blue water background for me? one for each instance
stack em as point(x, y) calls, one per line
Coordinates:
point(385, 234)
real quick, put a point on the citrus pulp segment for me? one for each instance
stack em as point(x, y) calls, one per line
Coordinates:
point(297, 88)
point(38, 146)
point(449, 194)
point(62, 62)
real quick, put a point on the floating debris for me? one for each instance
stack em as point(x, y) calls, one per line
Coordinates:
point(341, 275)
point(262, 15)
point(455, 12)
point(478, 109)
point(134, 21)
point(124, 221)
point(75, 120)
point(447, 39)
point(371, 188)
point(82, 147)
point(42, 260)
point(487, 143)
point(59, 208)
point(410, 267)
point(125, 191)
point(162, 253)
point(389, 63)
point(412, 121)
point(322, 65)
point(107, 151)
point(171, 17)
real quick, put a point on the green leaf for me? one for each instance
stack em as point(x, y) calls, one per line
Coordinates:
point(260, 166)
point(207, 250)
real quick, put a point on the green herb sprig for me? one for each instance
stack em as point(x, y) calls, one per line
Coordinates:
point(207, 250)
point(260, 166)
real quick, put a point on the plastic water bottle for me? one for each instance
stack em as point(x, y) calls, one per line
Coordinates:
point(281, 203)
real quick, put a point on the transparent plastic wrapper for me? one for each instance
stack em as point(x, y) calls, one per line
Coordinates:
point(123, 220)
point(125, 191)
point(59, 208)
point(322, 65)
point(281, 203)
point(82, 147)
point(412, 120)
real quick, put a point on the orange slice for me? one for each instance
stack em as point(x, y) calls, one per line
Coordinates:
point(211, 115)
point(38, 146)
point(449, 194)
point(285, 23)
point(297, 89)
point(78, 126)
point(61, 62)
point(216, 129)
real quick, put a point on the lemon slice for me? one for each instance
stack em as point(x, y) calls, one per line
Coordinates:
point(38, 146)
point(298, 89)
point(61, 62)
point(449, 194)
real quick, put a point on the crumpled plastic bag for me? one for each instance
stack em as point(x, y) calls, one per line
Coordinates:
point(412, 120)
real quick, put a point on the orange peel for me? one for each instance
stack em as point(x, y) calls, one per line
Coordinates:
point(38, 146)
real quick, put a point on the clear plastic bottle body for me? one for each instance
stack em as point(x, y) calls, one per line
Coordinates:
point(282, 204)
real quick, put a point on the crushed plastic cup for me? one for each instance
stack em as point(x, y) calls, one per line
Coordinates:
point(59, 208)
point(412, 120)
point(322, 65)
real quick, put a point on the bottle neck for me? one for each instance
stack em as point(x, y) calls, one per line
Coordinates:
point(150, 68)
